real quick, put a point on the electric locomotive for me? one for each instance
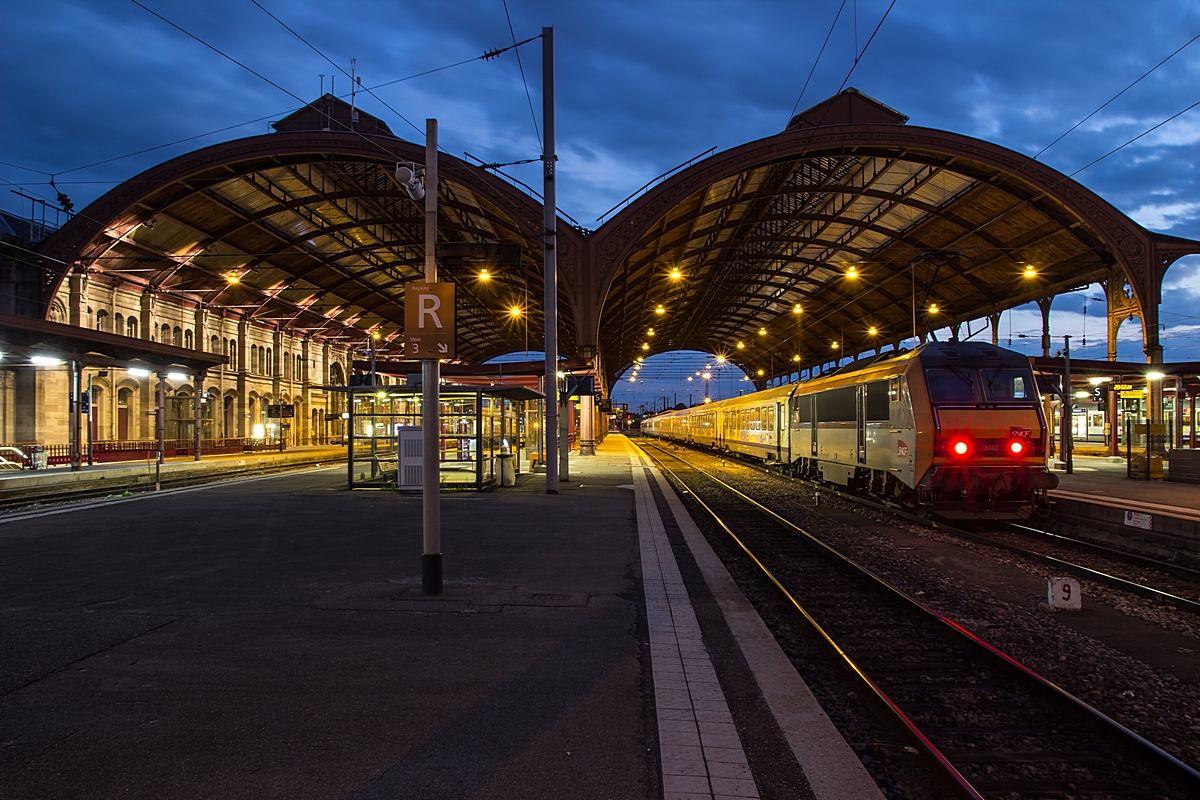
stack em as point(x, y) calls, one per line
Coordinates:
point(955, 428)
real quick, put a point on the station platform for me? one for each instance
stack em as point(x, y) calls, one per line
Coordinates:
point(12, 482)
point(268, 638)
point(1160, 512)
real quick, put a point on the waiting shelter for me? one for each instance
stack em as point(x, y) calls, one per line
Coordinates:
point(479, 427)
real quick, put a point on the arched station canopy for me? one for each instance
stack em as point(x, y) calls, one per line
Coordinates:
point(307, 229)
point(857, 219)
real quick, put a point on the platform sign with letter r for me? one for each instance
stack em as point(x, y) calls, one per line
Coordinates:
point(429, 322)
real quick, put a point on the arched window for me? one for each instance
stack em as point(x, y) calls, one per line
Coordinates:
point(299, 368)
point(215, 343)
point(118, 324)
point(101, 320)
point(164, 334)
point(287, 366)
point(254, 358)
point(177, 336)
point(131, 329)
point(188, 341)
point(233, 355)
point(268, 364)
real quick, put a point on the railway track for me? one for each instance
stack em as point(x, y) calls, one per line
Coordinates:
point(987, 725)
point(14, 501)
point(1166, 582)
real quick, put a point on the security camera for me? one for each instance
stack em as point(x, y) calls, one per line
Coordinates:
point(407, 176)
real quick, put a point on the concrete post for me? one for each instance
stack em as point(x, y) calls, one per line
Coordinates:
point(550, 266)
point(431, 501)
point(587, 426)
point(242, 334)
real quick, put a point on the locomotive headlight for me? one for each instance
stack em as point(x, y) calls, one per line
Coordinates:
point(960, 447)
point(1016, 447)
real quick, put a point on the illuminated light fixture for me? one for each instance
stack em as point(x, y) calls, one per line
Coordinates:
point(45, 361)
point(720, 359)
point(933, 308)
point(233, 277)
point(137, 372)
point(1155, 376)
point(1029, 272)
point(852, 272)
point(708, 399)
point(834, 346)
point(707, 376)
point(741, 345)
point(762, 331)
point(381, 395)
point(872, 331)
point(1082, 395)
point(650, 332)
point(795, 358)
point(515, 311)
point(345, 415)
point(689, 377)
point(675, 274)
point(632, 379)
point(797, 309)
point(1098, 381)
point(1016, 447)
point(660, 309)
point(645, 345)
point(484, 275)
point(961, 447)
point(639, 358)
point(760, 373)
point(376, 335)
point(561, 374)
point(176, 376)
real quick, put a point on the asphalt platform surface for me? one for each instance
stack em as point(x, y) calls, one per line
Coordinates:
point(268, 639)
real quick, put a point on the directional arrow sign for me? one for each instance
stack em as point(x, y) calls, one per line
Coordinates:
point(429, 322)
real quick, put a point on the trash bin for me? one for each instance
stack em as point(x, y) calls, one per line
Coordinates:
point(508, 471)
point(38, 457)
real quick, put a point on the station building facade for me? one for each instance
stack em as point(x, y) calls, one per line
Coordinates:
point(264, 365)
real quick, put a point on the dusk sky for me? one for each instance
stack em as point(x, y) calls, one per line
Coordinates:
point(642, 87)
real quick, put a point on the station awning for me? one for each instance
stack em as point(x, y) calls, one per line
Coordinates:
point(22, 338)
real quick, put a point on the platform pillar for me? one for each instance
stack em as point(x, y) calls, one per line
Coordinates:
point(587, 425)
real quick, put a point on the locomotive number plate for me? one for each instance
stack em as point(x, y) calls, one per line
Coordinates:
point(1020, 433)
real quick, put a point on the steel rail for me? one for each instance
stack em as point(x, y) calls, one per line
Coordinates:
point(1180, 769)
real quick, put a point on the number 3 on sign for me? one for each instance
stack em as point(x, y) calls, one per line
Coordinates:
point(1064, 593)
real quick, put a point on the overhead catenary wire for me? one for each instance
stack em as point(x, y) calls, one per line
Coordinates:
point(817, 60)
point(521, 67)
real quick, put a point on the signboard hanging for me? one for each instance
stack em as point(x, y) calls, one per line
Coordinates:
point(429, 321)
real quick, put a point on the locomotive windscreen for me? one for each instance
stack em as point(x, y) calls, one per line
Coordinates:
point(952, 385)
point(1008, 384)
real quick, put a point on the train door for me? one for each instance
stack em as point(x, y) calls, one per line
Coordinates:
point(861, 418)
point(812, 414)
point(779, 427)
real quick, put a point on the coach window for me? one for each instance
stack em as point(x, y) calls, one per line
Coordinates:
point(837, 405)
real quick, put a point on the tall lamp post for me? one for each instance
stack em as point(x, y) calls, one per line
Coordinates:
point(550, 268)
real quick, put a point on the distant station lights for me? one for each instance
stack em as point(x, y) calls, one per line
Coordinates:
point(762, 331)
point(233, 277)
point(796, 358)
point(645, 345)
point(1029, 272)
point(484, 275)
point(852, 272)
point(515, 311)
point(872, 331)
point(660, 309)
point(675, 274)
point(933, 308)
point(741, 345)
point(797, 309)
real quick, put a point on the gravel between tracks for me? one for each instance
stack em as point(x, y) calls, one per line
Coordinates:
point(1159, 707)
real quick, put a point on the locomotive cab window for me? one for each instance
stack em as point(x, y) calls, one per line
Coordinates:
point(952, 385)
point(1008, 384)
point(877, 402)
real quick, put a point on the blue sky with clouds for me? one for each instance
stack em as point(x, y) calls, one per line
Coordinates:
point(641, 87)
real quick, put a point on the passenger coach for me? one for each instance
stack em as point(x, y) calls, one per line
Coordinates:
point(956, 428)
